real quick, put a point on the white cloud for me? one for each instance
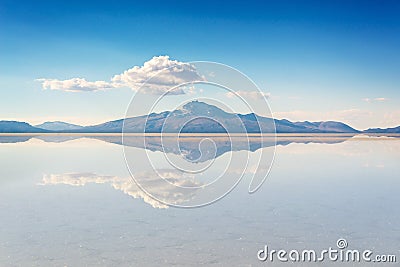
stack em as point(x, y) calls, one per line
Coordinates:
point(248, 94)
point(156, 76)
point(75, 85)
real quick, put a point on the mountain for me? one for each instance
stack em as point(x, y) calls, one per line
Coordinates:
point(193, 117)
point(387, 130)
point(200, 117)
point(58, 126)
point(19, 127)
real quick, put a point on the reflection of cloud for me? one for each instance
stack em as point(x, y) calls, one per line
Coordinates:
point(156, 76)
point(251, 169)
point(248, 94)
point(379, 166)
point(168, 188)
point(79, 179)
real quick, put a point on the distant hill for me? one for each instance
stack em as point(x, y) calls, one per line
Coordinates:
point(328, 126)
point(387, 130)
point(58, 126)
point(19, 127)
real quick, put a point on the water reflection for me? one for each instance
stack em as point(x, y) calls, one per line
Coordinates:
point(125, 184)
point(189, 146)
point(88, 211)
point(159, 185)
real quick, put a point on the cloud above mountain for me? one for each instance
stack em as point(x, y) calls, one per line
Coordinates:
point(157, 76)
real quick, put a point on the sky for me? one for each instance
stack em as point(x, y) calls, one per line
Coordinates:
point(315, 60)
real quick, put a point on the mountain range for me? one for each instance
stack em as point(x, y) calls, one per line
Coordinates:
point(193, 117)
point(58, 126)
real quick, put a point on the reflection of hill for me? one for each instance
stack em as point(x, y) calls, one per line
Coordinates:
point(45, 138)
point(193, 148)
point(57, 138)
point(14, 139)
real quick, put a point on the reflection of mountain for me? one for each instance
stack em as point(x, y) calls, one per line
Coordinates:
point(193, 148)
point(14, 139)
point(46, 138)
point(172, 194)
point(57, 138)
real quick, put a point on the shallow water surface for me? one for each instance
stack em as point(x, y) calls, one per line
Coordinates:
point(70, 201)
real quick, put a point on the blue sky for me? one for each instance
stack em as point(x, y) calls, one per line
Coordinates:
point(319, 60)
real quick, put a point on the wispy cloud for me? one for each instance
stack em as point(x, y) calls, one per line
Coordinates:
point(249, 94)
point(156, 76)
point(75, 85)
point(378, 99)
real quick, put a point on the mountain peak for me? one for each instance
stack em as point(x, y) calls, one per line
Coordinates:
point(195, 104)
point(200, 108)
